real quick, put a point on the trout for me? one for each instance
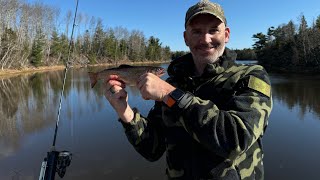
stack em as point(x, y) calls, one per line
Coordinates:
point(126, 73)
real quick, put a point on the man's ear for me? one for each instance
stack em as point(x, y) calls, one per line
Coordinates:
point(227, 34)
point(185, 38)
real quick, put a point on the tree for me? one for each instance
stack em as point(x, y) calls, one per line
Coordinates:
point(98, 38)
point(8, 47)
point(177, 54)
point(86, 46)
point(318, 23)
point(34, 34)
point(303, 36)
point(153, 51)
point(245, 54)
point(37, 50)
point(270, 34)
point(59, 47)
point(137, 46)
point(55, 45)
point(165, 53)
point(110, 43)
point(260, 41)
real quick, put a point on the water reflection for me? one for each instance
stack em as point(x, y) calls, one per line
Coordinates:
point(297, 90)
point(27, 105)
point(89, 129)
point(28, 111)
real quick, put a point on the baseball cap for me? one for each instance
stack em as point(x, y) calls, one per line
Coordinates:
point(205, 7)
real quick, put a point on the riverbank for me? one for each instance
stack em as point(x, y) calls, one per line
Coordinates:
point(28, 70)
point(6, 73)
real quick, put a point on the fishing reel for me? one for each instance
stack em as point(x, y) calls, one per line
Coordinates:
point(55, 162)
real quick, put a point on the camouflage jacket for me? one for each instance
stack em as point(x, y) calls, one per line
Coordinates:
point(217, 135)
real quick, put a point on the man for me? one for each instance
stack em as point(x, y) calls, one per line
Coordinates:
point(210, 114)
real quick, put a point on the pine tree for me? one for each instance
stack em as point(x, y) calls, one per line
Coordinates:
point(37, 50)
point(98, 38)
point(55, 45)
point(110, 44)
point(153, 51)
point(318, 23)
point(64, 44)
point(260, 41)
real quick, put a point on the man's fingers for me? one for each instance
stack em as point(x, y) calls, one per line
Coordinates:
point(112, 77)
point(115, 94)
point(110, 83)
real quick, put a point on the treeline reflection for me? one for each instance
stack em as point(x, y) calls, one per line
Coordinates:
point(29, 103)
point(301, 91)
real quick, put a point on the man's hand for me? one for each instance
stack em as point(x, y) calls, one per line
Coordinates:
point(118, 98)
point(152, 87)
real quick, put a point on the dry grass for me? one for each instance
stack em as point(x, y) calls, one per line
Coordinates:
point(15, 72)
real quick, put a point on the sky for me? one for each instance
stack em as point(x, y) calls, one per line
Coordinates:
point(164, 19)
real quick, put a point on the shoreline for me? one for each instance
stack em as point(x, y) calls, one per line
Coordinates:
point(7, 73)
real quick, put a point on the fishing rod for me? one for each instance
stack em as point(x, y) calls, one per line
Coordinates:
point(58, 161)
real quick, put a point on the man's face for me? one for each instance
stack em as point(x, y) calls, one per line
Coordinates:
point(206, 37)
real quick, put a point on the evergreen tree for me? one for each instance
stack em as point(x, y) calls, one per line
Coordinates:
point(86, 46)
point(64, 41)
point(98, 38)
point(177, 54)
point(318, 23)
point(260, 41)
point(37, 49)
point(270, 34)
point(56, 46)
point(110, 44)
point(245, 54)
point(153, 51)
point(303, 38)
point(166, 53)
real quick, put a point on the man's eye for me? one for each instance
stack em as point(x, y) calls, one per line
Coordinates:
point(196, 32)
point(213, 31)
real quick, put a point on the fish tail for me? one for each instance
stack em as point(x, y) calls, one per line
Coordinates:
point(93, 78)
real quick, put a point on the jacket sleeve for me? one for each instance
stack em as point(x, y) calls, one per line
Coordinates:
point(230, 131)
point(146, 135)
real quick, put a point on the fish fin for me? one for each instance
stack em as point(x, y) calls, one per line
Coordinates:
point(124, 66)
point(93, 78)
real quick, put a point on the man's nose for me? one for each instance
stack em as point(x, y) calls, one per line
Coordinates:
point(205, 38)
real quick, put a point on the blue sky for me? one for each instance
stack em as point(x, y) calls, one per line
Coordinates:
point(164, 19)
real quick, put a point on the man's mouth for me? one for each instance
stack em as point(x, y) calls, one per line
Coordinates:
point(207, 47)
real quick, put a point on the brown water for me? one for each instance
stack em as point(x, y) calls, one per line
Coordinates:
point(89, 129)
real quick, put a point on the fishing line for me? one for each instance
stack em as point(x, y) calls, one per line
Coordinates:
point(58, 161)
point(65, 76)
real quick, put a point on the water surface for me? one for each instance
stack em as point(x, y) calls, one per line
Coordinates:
point(89, 129)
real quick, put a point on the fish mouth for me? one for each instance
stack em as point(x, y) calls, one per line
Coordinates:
point(161, 72)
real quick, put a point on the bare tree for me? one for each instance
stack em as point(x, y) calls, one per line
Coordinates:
point(68, 21)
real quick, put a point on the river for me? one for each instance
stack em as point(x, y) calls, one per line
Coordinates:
point(89, 128)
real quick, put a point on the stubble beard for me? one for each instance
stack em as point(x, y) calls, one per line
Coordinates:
point(202, 61)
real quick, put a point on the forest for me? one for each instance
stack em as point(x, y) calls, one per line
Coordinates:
point(290, 47)
point(35, 34)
